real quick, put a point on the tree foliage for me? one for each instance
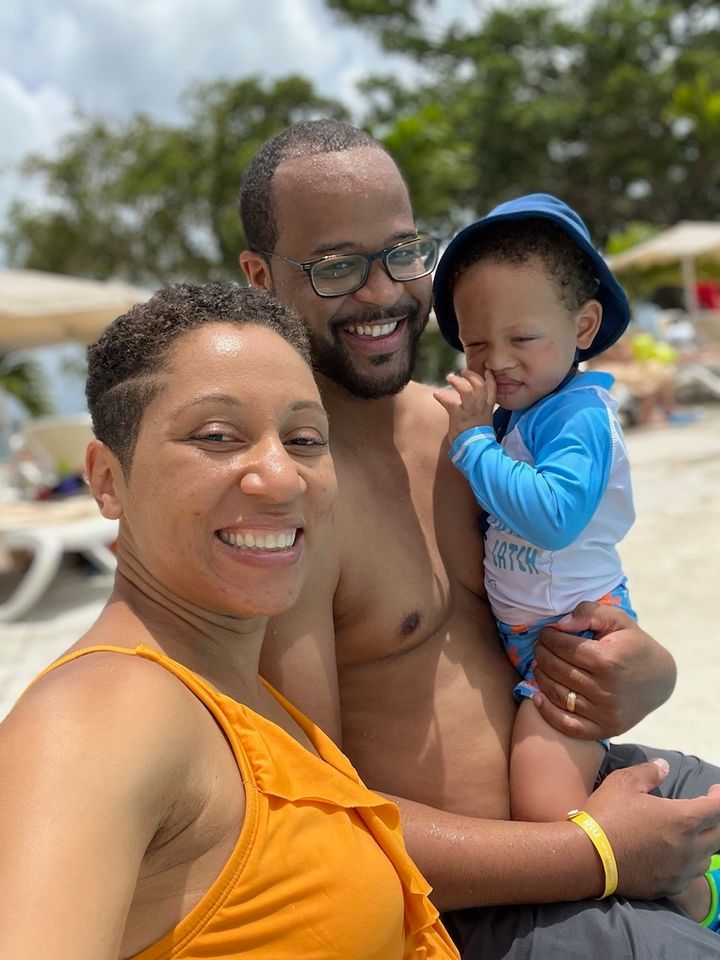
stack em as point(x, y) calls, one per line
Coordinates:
point(23, 379)
point(150, 202)
point(614, 107)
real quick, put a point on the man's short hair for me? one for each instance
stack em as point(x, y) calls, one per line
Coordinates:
point(127, 363)
point(517, 241)
point(309, 138)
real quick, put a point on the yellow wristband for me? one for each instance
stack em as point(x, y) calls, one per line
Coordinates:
point(601, 843)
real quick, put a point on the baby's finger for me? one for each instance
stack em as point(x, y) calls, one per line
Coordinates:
point(447, 399)
point(474, 379)
point(463, 387)
point(491, 386)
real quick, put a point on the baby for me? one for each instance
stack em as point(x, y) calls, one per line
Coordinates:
point(527, 296)
point(524, 293)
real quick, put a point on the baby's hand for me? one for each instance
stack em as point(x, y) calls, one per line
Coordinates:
point(470, 403)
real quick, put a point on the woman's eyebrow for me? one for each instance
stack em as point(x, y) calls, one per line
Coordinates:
point(224, 398)
point(309, 405)
point(229, 400)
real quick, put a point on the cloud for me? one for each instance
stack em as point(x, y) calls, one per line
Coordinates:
point(116, 57)
point(31, 119)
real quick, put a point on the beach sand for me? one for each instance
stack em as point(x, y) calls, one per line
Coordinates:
point(672, 560)
point(670, 557)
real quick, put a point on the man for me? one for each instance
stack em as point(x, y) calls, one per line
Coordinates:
point(424, 687)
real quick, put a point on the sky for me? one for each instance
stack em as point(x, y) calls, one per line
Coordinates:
point(116, 57)
point(113, 58)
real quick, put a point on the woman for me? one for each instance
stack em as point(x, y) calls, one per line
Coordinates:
point(158, 798)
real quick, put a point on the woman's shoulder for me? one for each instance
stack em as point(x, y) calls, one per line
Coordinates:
point(104, 704)
point(91, 680)
point(110, 764)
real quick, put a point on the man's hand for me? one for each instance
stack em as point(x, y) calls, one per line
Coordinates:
point(470, 403)
point(660, 845)
point(619, 677)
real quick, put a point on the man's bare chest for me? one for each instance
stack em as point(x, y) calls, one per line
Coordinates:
point(408, 546)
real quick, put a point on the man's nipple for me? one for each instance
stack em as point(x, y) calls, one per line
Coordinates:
point(410, 624)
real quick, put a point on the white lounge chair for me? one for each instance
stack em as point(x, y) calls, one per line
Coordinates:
point(48, 529)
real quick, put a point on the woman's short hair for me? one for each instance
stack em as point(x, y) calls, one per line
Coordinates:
point(127, 362)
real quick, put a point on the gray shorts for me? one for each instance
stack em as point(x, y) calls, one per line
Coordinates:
point(612, 929)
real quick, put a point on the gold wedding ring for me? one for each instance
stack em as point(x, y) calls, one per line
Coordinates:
point(570, 701)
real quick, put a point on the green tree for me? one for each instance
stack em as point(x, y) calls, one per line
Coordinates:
point(23, 380)
point(149, 202)
point(614, 107)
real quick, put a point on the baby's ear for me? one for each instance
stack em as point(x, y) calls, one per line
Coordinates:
point(588, 323)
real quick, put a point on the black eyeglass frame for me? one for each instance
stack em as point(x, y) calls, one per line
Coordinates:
point(382, 255)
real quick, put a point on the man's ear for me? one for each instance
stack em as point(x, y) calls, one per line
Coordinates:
point(105, 479)
point(588, 323)
point(256, 269)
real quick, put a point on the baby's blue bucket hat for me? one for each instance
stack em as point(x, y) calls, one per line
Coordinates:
point(616, 310)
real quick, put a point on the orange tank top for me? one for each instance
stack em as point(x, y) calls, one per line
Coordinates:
point(319, 871)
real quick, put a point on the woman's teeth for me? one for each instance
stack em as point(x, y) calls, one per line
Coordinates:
point(259, 541)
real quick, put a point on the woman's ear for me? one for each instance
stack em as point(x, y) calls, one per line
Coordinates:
point(256, 269)
point(105, 479)
point(588, 323)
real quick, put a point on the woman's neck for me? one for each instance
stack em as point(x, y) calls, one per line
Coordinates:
point(223, 649)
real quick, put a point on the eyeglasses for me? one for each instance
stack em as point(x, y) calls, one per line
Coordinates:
point(341, 274)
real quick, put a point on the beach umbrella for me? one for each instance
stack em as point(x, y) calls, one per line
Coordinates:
point(684, 244)
point(41, 309)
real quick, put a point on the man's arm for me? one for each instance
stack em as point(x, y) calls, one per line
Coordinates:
point(619, 677)
point(659, 845)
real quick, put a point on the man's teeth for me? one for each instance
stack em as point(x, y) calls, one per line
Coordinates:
point(376, 331)
point(259, 541)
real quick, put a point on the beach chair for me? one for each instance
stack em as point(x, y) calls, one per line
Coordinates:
point(49, 529)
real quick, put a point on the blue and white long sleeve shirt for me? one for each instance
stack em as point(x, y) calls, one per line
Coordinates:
point(559, 499)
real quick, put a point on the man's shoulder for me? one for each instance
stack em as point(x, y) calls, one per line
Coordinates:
point(417, 392)
point(416, 400)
